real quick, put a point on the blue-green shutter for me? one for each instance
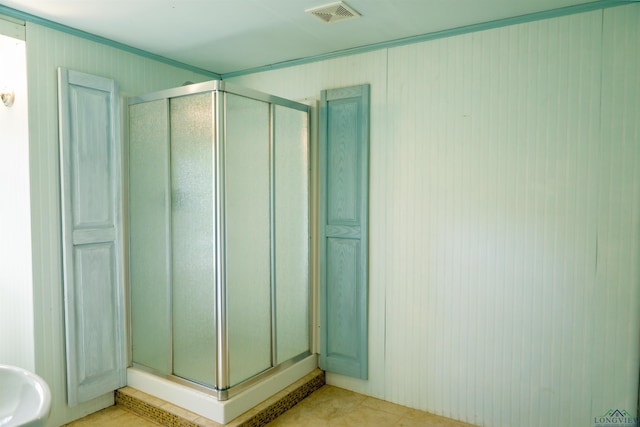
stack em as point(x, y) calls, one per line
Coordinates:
point(344, 179)
point(92, 235)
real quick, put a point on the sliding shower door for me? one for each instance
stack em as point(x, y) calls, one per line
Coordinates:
point(192, 255)
point(149, 235)
point(248, 231)
point(219, 234)
point(291, 233)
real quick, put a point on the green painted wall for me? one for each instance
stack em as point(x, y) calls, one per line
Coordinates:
point(48, 49)
point(504, 194)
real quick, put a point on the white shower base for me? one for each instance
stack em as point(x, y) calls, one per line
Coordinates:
point(208, 406)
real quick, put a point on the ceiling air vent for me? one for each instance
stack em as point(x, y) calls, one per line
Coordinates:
point(333, 12)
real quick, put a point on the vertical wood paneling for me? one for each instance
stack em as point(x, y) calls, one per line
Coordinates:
point(47, 50)
point(508, 125)
point(617, 292)
point(504, 218)
point(487, 204)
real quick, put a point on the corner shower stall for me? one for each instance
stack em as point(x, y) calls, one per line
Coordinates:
point(219, 236)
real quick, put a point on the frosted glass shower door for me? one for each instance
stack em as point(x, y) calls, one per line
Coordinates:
point(192, 238)
point(149, 254)
point(219, 249)
point(247, 204)
point(291, 232)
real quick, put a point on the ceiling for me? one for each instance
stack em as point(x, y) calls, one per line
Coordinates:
point(225, 36)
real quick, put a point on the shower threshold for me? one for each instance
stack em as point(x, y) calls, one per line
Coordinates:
point(203, 402)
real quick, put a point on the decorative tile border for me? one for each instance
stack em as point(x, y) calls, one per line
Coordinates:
point(134, 401)
point(150, 411)
point(281, 406)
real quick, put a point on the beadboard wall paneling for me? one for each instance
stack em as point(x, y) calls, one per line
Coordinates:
point(494, 227)
point(614, 327)
point(504, 218)
point(504, 213)
point(47, 50)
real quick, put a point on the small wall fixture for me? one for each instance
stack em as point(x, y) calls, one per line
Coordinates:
point(7, 96)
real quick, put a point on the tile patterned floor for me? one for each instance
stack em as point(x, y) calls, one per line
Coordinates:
point(329, 406)
point(336, 407)
point(113, 416)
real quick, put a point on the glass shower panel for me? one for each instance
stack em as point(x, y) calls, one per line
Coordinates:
point(291, 161)
point(149, 234)
point(192, 237)
point(247, 242)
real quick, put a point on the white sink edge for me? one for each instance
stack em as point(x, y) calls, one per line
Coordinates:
point(25, 398)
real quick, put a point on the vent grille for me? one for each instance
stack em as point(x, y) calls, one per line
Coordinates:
point(333, 12)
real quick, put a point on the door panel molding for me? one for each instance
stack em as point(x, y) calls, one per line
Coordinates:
point(92, 235)
point(344, 205)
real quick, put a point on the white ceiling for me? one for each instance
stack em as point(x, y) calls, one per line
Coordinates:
point(225, 36)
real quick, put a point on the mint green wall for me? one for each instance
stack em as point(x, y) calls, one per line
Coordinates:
point(504, 217)
point(500, 161)
point(16, 296)
point(48, 49)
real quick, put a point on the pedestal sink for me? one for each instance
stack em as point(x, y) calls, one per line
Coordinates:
point(25, 398)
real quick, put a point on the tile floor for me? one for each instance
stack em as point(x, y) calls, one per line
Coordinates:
point(336, 407)
point(114, 416)
point(328, 406)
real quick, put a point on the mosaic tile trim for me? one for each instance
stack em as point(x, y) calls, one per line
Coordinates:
point(278, 408)
point(260, 419)
point(152, 412)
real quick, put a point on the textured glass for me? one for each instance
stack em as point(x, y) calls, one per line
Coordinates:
point(291, 233)
point(192, 237)
point(248, 237)
point(149, 239)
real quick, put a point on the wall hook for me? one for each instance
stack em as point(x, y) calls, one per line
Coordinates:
point(7, 96)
